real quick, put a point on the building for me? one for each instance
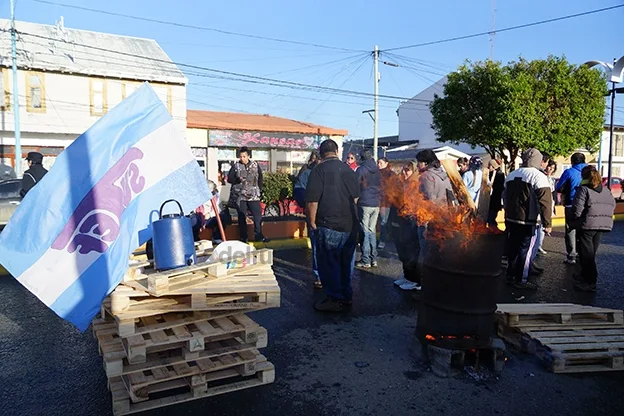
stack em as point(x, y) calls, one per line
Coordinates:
point(68, 79)
point(415, 121)
point(276, 143)
point(601, 157)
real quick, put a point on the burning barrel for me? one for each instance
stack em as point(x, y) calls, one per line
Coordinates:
point(460, 284)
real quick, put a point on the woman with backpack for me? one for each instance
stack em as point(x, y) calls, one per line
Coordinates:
point(299, 190)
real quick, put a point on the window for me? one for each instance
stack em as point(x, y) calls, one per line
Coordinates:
point(35, 92)
point(98, 99)
point(164, 93)
point(128, 88)
point(4, 79)
point(618, 145)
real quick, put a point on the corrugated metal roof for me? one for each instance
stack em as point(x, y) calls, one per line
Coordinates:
point(59, 49)
point(200, 119)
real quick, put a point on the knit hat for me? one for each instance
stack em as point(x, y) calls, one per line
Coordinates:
point(532, 158)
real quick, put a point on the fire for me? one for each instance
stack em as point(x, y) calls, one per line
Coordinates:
point(430, 337)
point(458, 221)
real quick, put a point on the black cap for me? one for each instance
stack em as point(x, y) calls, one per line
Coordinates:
point(35, 157)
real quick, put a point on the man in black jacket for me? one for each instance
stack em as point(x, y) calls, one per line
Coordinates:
point(34, 174)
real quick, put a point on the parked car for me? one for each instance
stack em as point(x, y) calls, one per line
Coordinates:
point(616, 187)
point(9, 198)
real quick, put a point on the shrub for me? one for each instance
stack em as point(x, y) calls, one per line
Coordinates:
point(276, 187)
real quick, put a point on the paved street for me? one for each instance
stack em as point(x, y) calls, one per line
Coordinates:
point(362, 362)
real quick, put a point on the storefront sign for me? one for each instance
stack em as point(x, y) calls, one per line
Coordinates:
point(256, 139)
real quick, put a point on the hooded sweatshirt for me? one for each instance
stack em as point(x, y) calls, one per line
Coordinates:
point(569, 181)
point(370, 184)
point(527, 192)
point(435, 185)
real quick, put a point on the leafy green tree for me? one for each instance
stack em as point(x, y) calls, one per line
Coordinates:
point(548, 104)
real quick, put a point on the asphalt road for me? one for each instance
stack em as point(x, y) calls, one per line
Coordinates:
point(361, 362)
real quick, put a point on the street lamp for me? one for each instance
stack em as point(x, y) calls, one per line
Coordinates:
point(616, 72)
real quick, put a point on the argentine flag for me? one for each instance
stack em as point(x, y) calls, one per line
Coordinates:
point(70, 239)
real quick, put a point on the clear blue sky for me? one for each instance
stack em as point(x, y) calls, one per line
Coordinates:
point(348, 24)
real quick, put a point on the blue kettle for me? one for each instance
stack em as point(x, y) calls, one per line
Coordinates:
point(173, 243)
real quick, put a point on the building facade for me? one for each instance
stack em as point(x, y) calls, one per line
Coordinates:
point(277, 144)
point(67, 79)
point(415, 121)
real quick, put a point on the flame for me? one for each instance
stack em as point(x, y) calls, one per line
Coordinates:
point(450, 221)
point(430, 337)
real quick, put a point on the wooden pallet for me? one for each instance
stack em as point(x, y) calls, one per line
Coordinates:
point(133, 308)
point(214, 383)
point(192, 335)
point(116, 362)
point(142, 275)
point(538, 315)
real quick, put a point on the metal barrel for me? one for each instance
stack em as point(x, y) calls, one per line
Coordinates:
point(460, 285)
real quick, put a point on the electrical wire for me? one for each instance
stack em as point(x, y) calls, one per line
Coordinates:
point(187, 26)
point(507, 29)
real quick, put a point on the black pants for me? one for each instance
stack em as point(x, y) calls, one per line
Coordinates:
point(408, 248)
point(587, 243)
point(520, 241)
point(256, 212)
point(570, 235)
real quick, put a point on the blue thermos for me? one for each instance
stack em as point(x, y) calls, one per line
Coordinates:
point(172, 236)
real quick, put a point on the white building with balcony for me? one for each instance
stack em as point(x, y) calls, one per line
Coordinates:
point(68, 79)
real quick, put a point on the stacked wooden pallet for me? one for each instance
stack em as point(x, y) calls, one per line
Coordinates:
point(174, 336)
point(569, 338)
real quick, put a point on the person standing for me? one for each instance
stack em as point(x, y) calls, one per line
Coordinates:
point(592, 215)
point(368, 207)
point(246, 179)
point(527, 195)
point(551, 167)
point(405, 227)
point(473, 177)
point(497, 182)
point(34, 174)
point(299, 190)
point(351, 162)
point(331, 197)
point(388, 179)
point(569, 181)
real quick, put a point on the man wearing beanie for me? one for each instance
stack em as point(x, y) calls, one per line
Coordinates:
point(527, 195)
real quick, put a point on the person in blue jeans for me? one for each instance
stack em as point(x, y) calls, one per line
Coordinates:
point(368, 208)
point(568, 182)
point(331, 197)
point(299, 189)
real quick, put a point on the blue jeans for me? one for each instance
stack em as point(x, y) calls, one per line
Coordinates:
point(312, 234)
point(368, 223)
point(335, 252)
point(384, 214)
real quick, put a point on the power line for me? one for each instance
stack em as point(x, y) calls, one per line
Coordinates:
point(187, 26)
point(225, 74)
point(507, 29)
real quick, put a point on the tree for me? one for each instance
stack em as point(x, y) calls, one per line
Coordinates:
point(548, 104)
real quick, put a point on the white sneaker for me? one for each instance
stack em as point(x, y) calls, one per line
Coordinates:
point(410, 286)
point(541, 251)
point(401, 281)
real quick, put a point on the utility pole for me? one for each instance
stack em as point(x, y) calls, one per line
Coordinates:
point(376, 107)
point(611, 129)
point(16, 108)
point(493, 31)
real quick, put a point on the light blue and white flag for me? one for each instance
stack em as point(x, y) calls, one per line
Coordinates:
point(70, 239)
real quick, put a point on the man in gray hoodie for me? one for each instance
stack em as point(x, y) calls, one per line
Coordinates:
point(526, 197)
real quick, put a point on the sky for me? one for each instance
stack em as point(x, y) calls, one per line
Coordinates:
point(351, 25)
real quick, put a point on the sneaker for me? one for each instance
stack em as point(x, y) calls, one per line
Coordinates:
point(381, 246)
point(410, 286)
point(537, 268)
point(585, 287)
point(328, 305)
point(362, 265)
point(401, 281)
point(526, 285)
point(570, 261)
point(542, 251)
point(374, 264)
point(535, 272)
